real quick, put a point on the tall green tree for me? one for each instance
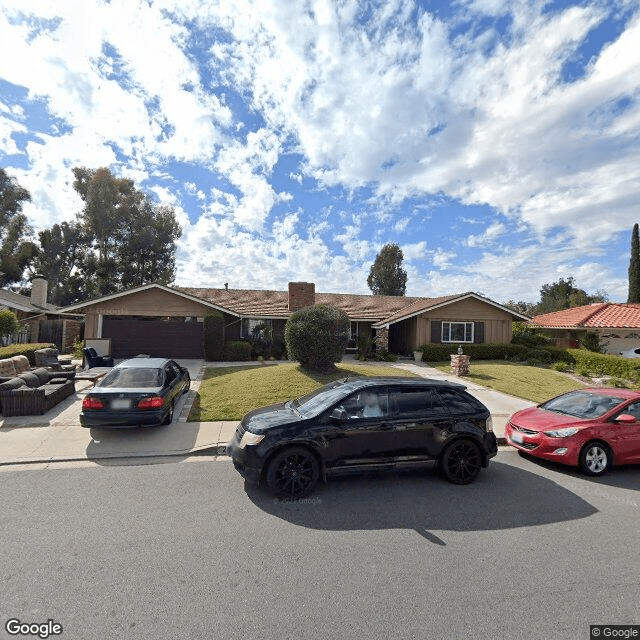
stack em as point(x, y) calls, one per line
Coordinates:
point(563, 294)
point(133, 238)
point(16, 251)
point(62, 257)
point(634, 266)
point(386, 276)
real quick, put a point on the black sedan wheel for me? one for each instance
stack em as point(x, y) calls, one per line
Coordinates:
point(595, 459)
point(461, 462)
point(293, 473)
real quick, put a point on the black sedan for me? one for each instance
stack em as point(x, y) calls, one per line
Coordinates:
point(137, 392)
point(364, 424)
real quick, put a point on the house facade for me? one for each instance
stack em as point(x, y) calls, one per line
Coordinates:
point(41, 321)
point(160, 320)
point(617, 325)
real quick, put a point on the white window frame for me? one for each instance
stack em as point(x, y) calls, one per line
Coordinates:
point(468, 331)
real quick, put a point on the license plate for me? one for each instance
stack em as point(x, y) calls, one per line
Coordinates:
point(517, 438)
point(120, 404)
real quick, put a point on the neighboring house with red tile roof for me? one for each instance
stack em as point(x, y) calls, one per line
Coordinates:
point(616, 324)
point(160, 320)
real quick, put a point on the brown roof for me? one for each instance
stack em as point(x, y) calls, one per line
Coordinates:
point(599, 314)
point(275, 304)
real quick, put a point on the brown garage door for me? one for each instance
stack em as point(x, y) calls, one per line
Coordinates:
point(153, 336)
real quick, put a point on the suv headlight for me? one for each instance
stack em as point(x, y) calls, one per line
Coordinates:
point(562, 433)
point(489, 425)
point(250, 438)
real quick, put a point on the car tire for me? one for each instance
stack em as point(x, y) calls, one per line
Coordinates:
point(187, 385)
point(169, 417)
point(595, 458)
point(293, 473)
point(461, 461)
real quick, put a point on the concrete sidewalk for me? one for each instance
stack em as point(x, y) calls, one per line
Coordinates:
point(57, 436)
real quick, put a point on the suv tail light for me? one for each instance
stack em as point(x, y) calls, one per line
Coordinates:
point(154, 402)
point(92, 403)
point(489, 425)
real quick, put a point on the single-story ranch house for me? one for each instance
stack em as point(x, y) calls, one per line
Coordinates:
point(160, 320)
point(616, 324)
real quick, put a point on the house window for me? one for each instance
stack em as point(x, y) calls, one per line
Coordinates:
point(249, 324)
point(457, 332)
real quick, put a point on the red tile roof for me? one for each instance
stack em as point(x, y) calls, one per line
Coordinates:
point(599, 314)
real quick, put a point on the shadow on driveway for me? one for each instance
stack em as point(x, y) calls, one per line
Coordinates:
point(505, 497)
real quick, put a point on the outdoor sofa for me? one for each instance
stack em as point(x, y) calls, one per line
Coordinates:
point(34, 392)
point(48, 357)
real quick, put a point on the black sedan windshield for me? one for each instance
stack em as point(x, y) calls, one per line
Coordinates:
point(134, 378)
point(582, 404)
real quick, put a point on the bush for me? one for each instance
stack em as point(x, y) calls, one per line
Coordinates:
point(213, 337)
point(560, 366)
point(279, 348)
point(317, 336)
point(261, 341)
point(27, 349)
point(9, 322)
point(365, 347)
point(591, 342)
point(528, 337)
point(237, 351)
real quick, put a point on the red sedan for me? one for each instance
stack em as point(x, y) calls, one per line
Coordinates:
point(590, 428)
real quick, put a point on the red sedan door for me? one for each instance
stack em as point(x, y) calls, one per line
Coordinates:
point(625, 436)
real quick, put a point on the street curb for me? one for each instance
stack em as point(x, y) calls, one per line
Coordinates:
point(205, 450)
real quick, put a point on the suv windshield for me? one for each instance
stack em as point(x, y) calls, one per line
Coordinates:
point(582, 405)
point(314, 403)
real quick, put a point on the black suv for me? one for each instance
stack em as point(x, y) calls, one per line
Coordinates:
point(364, 424)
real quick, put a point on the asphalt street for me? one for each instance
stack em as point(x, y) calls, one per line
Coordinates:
point(181, 548)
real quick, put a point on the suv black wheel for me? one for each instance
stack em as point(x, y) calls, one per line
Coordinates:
point(461, 461)
point(293, 473)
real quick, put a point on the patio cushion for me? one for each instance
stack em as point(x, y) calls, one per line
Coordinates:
point(12, 384)
point(21, 364)
point(8, 367)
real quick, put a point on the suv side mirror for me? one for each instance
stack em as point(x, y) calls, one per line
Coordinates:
point(626, 418)
point(338, 414)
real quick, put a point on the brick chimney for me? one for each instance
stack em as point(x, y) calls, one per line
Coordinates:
point(39, 288)
point(301, 294)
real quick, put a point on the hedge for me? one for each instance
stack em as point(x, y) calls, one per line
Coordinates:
point(213, 336)
point(237, 351)
point(26, 349)
point(595, 363)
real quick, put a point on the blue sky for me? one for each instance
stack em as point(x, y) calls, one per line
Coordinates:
point(497, 142)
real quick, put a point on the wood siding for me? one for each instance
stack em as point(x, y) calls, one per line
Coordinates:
point(408, 335)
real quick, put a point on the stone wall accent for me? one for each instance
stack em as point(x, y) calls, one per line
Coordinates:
point(301, 294)
point(460, 364)
point(382, 339)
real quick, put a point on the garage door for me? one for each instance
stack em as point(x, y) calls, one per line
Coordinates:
point(153, 336)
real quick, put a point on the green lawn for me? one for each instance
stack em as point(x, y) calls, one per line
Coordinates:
point(227, 393)
point(531, 383)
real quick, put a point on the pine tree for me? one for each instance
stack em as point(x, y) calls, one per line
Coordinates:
point(387, 277)
point(634, 266)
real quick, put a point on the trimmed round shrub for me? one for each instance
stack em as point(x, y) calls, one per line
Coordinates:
point(317, 336)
